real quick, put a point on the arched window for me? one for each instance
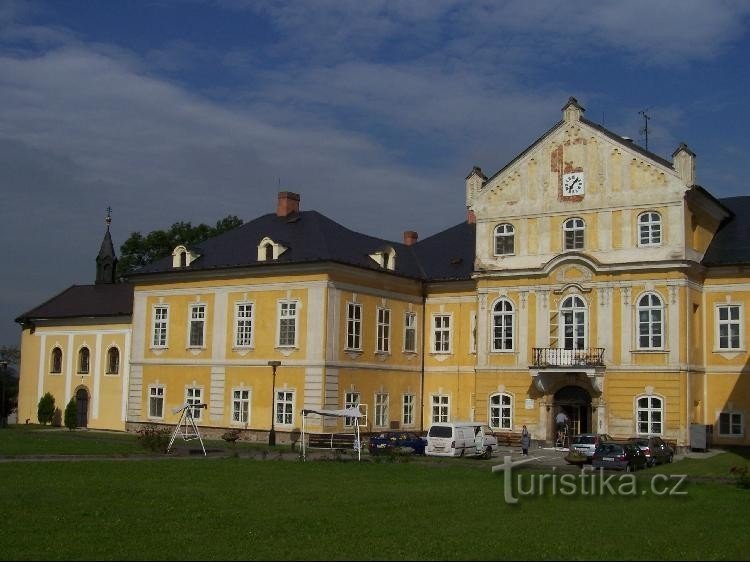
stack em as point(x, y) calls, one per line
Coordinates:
point(504, 240)
point(501, 411)
point(573, 322)
point(183, 259)
point(649, 413)
point(83, 360)
point(573, 231)
point(56, 361)
point(113, 361)
point(502, 326)
point(649, 229)
point(269, 252)
point(650, 322)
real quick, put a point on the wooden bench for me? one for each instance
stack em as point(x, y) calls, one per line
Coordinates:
point(335, 441)
point(508, 438)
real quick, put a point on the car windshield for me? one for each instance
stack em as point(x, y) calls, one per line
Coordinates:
point(441, 431)
point(585, 440)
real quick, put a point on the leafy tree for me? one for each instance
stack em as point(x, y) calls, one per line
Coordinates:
point(46, 409)
point(10, 358)
point(139, 250)
point(71, 414)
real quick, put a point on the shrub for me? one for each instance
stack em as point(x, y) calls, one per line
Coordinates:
point(740, 474)
point(46, 409)
point(154, 438)
point(71, 414)
point(57, 418)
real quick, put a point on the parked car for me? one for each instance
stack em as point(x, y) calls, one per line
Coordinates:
point(655, 449)
point(586, 443)
point(390, 441)
point(456, 439)
point(619, 456)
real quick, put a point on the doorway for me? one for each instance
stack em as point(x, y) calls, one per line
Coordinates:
point(576, 403)
point(82, 405)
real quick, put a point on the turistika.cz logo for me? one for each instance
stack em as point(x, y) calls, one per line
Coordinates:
point(588, 482)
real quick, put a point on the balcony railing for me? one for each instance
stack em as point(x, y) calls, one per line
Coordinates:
point(556, 357)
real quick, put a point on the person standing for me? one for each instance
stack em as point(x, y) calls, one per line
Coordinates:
point(525, 441)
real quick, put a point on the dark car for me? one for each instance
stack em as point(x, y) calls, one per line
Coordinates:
point(619, 456)
point(657, 451)
point(586, 443)
point(392, 441)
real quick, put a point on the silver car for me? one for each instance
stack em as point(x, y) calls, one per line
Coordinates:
point(586, 443)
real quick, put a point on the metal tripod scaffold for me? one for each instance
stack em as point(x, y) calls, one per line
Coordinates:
point(186, 426)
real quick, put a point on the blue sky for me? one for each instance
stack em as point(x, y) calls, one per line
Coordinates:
point(373, 111)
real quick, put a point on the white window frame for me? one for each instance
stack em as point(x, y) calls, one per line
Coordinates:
point(650, 324)
point(382, 409)
point(383, 330)
point(440, 408)
point(579, 317)
point(353, 326)
point(352, 399)
point(107, 367)
point(284, 306)
point(649, 410)
point(649, 229)
point(84, 361)
point(193, 396)
point(238, 411)
point(156, 393)
point(53, 368)
point(197, 314)
point(577, 227)
point(505, 231)
point(730, 323)
point(505, 317)
point(445, 338)
point(244, 324)
point(160, 326)
point(286, 398)
point(503, 411)
point(407, 409)
point(732, 424)
point(410, 326)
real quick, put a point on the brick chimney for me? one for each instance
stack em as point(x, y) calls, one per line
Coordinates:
point(410, 237)
point(288, 204)
point(471, 218)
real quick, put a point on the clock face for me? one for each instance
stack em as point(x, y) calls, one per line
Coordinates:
point(572, 184)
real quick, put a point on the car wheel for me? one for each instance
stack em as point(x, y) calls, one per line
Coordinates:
point(670, 458)
point(487, 453)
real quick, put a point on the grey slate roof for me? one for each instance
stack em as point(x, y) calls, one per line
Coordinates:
point(85, 301)
point(448, 255)
point(731, 245)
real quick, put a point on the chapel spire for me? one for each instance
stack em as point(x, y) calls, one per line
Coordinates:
point(106, 261)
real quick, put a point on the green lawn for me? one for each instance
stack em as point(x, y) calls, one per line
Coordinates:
point(234, 508)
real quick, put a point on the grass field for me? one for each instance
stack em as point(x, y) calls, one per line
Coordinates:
point(235, 508)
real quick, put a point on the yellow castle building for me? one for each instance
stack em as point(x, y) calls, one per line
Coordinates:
point(591, 277)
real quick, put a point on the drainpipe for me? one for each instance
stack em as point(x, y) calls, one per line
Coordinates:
point(421, 377)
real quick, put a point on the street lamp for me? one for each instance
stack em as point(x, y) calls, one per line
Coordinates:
point(3, 414)
point(272, 434)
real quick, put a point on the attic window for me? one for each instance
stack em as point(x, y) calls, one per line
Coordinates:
point(268, 250)
point(183, 257)
point(385, 258)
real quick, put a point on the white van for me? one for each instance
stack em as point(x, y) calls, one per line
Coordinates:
point(458, 439)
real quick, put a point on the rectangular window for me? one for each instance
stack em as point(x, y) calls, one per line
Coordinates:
point(728, 325)
point(410, 332)
point(384, 330)
point(730, 423)
point(440, 408)
point(407, 412)
point(354, 326)
point(241, 406)
point(442, 333)
point(381, 410)
point(285, 407)
point(193, 397)
point(156, 401)
point(288, 323)
point(161, 317)
point(197, 325)
point(243, 324)
point(351, 400)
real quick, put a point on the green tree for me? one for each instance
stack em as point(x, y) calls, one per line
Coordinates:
point(46, 409)
point(139, 250)
point(71, 414)
point(10, 359)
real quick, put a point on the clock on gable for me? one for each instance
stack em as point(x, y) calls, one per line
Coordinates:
point(573, 184)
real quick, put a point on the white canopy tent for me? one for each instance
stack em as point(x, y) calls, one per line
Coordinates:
point(354, 413)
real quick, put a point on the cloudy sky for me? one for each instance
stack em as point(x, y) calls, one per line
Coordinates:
point(373, 111)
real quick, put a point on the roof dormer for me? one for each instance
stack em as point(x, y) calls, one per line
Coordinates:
point(268, 250)
point(183, 256)
point(385, 258)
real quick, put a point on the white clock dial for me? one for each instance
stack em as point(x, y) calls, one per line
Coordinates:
point(573, 184)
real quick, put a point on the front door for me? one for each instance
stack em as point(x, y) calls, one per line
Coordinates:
point(82, 405)
point(576, 403)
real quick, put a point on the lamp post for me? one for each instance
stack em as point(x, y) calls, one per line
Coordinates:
point(272, 434)
point(3, 414)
